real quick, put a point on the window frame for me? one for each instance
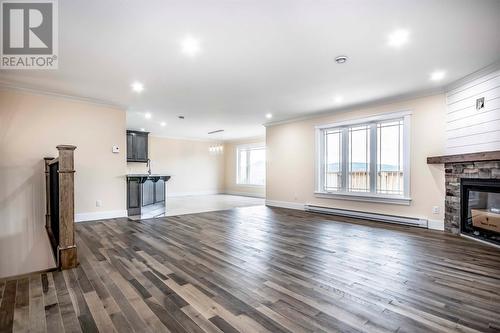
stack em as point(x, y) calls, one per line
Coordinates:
point(372, 195)
point(248, 147)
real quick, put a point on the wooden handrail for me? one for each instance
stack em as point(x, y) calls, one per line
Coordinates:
point(53, 160)
point(60, 205)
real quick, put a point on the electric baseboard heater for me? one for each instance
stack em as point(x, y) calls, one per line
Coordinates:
point(416, 222)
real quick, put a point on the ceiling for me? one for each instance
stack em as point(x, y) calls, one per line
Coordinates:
point(259, 57)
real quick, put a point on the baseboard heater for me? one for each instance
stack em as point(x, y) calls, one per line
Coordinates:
point(416, 222)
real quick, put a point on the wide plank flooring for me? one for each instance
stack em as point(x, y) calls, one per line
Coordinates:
point(260, 269)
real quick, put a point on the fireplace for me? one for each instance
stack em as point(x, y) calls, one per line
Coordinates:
point(472, 193)
point(480, 209)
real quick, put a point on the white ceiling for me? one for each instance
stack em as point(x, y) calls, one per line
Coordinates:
point(258, 57)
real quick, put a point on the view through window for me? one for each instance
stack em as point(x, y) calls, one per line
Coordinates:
point(251, 165)
point(363, 158)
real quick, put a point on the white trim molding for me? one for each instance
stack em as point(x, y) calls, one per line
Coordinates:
point(189, 194)
point(436, 225)
point(285, 204)
point(94, 216)
point(369, 119)
point(365, 197)
point(245, 194)
point(358, 106)
point(6, 85)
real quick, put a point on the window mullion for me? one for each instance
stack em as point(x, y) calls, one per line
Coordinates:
point(324, 161)
point(248, 167)
point(373, 158)
point(406, 156)
point(345, 157)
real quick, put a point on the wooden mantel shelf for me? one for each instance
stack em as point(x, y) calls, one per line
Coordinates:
point(461, 158)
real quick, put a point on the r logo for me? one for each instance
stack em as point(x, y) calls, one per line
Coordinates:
point(27, 28)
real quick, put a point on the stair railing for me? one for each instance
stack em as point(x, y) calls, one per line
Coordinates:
point(60, 206)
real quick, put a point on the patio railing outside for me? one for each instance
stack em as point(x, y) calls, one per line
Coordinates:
point(388, 182)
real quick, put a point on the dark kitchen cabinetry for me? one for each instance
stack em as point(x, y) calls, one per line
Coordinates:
point(137, 146)
point(148, 192)
point(145, 192)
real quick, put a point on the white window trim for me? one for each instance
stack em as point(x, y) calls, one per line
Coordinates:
point(247, 146)
point(404, 199)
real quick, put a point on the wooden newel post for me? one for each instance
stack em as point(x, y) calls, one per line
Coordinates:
point(67, 245)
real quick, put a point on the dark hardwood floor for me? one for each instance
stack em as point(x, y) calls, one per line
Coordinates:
point(260, 269)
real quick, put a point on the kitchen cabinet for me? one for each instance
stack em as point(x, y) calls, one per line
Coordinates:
point(137, 146)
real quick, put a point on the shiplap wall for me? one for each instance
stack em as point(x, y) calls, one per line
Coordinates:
point(469, 130)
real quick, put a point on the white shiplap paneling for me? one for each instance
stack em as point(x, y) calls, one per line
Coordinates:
point(467, 129)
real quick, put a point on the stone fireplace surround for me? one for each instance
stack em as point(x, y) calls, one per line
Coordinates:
point(484, 165)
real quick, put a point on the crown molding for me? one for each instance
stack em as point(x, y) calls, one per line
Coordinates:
point(473, 76)
point(357, 106)
point(6, 85)
point(184, 138)
point(258, 138)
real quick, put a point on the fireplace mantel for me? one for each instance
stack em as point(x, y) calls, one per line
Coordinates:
point(463, 158)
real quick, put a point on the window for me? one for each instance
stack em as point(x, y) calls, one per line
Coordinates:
point(251, 165)
point(365, 160)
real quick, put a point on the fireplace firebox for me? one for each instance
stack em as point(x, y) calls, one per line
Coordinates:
point(480, 209)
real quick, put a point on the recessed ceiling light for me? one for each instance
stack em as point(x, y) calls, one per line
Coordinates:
point(190, 46)
point(163, 124)
point(339, 99)
point(269, 116)
point(398, 38)
point(341, 59)
point(438, 75)
point(147, 115)
point(137, 87)
point(181, 117)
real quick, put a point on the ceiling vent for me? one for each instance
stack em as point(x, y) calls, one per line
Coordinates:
point(340, 59)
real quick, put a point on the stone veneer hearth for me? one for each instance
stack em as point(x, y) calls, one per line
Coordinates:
point(454, 171)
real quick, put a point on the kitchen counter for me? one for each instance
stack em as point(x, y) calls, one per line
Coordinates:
point(142, 177)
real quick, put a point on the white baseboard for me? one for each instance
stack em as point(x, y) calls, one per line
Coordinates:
point(188, 194)
point(111, 214)
point(285, 204)
point(246, 194)
point(435, 224)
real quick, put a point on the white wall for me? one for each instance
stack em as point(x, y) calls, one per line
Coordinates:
point(469, 130)
point(31, 126)
point(291, 160)
point(194, 170)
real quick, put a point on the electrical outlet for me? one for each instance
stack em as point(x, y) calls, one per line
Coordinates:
point(98, 203)
point(435, 209)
